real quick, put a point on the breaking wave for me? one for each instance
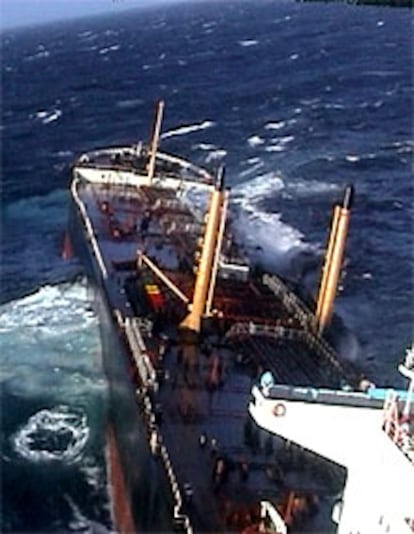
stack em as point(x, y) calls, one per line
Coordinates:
point(270, 240)
point(47, 117)
point(184, 130)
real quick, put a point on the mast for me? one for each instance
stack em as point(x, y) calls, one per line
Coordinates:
point(155, 139)
point(217, 253)
point(205, 269)
point(333, 260)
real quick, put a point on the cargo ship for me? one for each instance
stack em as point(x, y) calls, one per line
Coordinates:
point(189, 326)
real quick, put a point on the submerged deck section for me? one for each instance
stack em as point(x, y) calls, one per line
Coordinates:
point(193, 393)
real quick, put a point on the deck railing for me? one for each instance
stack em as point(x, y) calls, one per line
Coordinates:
point(89, 228)
point(308, 321)
point(148, 376)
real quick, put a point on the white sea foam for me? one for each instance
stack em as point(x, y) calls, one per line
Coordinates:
point(53, 116)
point(255, 140)
point(50, 343)
point(255, 164)
point(309, 188)
point(42, 53)
point(184, 130)
point(47, 116)
point(108, 49)
point(275, 125)
point(275, 148)
point(279, 143)
point(209, 25)
point(59, 307)
point(57, 434)
point(79, 522)
point(270, 240)
point(205, 146)
point(216, 155)
point(64, 154)
point(248, 42)
point(352, 158)
point(256, 189)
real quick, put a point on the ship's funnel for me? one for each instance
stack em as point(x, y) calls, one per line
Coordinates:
point(333, 260)
point(208, 254)
point(155, 139)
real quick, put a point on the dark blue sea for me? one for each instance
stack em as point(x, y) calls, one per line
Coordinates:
point(297, 99)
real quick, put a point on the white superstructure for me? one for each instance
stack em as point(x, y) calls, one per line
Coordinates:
point(375, 446)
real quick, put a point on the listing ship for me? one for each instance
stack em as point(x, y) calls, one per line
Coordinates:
point(189, 326)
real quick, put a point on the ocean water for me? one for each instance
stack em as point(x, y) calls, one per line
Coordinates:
point(297, 99)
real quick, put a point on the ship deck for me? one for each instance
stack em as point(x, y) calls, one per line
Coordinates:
point(219, 457)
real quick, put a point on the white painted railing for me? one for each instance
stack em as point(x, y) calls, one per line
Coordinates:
point(88, 227)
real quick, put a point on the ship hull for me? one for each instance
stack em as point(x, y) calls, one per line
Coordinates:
point(139, 501)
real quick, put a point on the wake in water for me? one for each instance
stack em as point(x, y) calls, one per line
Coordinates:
point(50, 343)
point(53, 397)
point(58, 434)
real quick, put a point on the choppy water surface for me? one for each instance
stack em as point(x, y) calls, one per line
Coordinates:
point(298, 99)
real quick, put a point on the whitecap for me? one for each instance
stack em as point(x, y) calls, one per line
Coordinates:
point(293, 57)
point(52, 116)
point(305, 188)
point(284, 140)
point(279, 143)
point(204, 146)
point(352, 158)
point(256, 189)
point(270, 240)
point(108, 49)
point(255, 140)
point(41, 114)
point(56, 434)
point(39, 55)
point(64, 154)
point(254, 165)
point(275, 125)
point(209, 25)
point(248, 42)
point(275, 148)
point(183, 130)
point(57, 309)
point(216, 155)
